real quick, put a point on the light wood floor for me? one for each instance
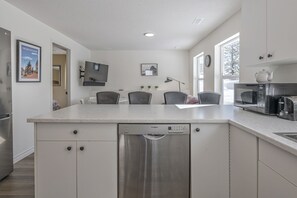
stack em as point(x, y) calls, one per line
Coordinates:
point(20, 183)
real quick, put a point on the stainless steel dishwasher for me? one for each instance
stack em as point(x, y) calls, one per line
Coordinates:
point(154, 161)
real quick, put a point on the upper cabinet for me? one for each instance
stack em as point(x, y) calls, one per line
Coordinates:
point(253, 32)
point(282, 30)
point(268, 33)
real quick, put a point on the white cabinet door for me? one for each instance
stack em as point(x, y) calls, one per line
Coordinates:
point(243, 164)
point(97, 169)
point(272, 185)
point(281, 29)
point(56, 169)
point(210, 160)
point(253, 32)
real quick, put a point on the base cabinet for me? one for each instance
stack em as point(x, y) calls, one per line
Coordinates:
point(76, 168)
point(273, 185)
point(243, 164)
point(80, 161)
point(209, 160)
point(277, 172)
point(56, 169)
point(96, 169)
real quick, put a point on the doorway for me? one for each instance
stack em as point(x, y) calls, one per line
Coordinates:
point(60, 77)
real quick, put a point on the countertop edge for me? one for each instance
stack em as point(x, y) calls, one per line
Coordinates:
point(258, 134)
point(94, 121)
point(269, 139)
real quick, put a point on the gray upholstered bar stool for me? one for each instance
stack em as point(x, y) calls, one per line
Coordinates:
point(139, 97)
point(175, 97)
point(107, 97)
point(209, 97)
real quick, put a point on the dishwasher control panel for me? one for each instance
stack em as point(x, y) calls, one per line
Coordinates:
point(177, 129)
point(156, 129)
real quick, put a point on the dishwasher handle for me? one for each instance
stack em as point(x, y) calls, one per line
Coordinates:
point(154, 137)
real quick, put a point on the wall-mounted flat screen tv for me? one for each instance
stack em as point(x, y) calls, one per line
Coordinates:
point(95, 74)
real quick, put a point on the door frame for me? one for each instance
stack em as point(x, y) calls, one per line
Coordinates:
point(68, 72)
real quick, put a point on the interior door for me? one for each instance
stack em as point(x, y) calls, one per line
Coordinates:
point(60, 77)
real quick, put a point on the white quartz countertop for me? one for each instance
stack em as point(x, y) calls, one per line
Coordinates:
point(262, 126)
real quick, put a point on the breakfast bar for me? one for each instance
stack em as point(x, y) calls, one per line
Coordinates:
point(232, 152)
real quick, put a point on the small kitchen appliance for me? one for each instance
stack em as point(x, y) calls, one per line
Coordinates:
point(264, 76)
point(287, 107)
point(262, 97)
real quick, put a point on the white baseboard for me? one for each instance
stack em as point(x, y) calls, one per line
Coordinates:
point(23, 155)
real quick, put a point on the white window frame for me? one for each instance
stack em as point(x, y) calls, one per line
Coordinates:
point(221, 69)
point(196, 77)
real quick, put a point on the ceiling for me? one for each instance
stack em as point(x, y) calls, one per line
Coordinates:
point(120, 24)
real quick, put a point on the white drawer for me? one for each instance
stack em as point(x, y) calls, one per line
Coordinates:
point(279, 160)
point(273, 185)
point(57, 131)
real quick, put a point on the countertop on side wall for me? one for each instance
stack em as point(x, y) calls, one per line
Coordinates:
point(260, 125)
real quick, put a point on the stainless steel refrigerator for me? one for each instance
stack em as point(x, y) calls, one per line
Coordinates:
point(6, 155)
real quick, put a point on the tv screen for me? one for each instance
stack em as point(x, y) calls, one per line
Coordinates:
point(95, 72)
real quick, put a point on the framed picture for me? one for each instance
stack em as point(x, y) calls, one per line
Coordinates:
point(57, 75)
point(28, 62)
point(149, 69)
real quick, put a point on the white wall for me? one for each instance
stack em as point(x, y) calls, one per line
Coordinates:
point(207, 45)
point(285, 73)
point(281, 74)
point(124, 68)
point(31, 99)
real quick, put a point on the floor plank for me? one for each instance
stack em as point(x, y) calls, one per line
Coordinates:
point(20, 183)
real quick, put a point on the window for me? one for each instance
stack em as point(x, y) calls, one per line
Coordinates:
point(229, 61)
point(198, 73)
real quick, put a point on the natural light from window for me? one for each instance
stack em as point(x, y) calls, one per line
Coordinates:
point(229, 51)
point(199, 73)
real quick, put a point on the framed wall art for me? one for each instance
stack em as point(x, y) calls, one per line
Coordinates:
point(28, 62)
point(149, 69)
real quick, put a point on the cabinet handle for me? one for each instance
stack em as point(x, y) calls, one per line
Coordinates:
point(69, 148)
point(81, 148)
point(261, 57)
point(269, 55)
point(75, 132)
point(197, 130)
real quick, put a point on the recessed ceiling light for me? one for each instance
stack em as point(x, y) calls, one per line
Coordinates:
point(149, 34)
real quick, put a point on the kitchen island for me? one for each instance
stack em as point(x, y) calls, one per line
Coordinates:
point(223, 138)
